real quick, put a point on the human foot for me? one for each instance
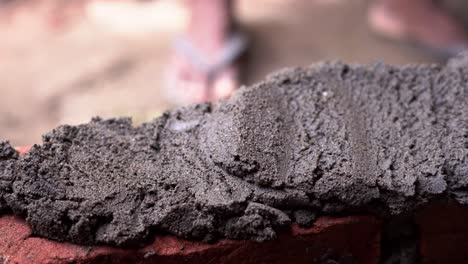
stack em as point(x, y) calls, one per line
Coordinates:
point(205, 66)
point(420, 21)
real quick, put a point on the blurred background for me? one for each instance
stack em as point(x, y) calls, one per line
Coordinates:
point(65, 61)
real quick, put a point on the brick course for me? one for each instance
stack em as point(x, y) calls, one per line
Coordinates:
point(442, 228)
point(358, 236)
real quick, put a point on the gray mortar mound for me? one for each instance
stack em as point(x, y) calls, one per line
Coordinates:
point(328, 139)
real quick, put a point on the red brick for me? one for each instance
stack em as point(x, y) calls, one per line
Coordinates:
point(444, 233)
point(358, 236)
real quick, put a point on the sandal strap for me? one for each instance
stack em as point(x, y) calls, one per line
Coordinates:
point(235, 46)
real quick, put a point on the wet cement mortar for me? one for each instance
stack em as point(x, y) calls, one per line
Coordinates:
point(330, 139)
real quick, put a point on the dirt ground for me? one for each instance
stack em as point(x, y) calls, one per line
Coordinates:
point(101, 65)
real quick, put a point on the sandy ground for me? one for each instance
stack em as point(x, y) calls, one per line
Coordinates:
point(109, 67)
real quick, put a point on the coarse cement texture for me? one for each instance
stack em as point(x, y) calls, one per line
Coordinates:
point(328, 139)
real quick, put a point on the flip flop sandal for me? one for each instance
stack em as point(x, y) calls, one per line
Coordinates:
point(235, 46)
point(439, 53)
